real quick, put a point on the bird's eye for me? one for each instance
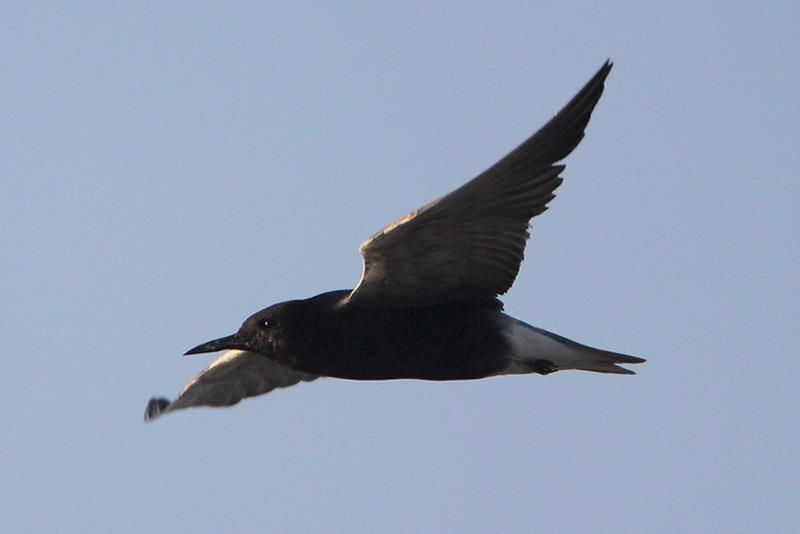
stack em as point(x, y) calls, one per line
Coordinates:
point(266, 324)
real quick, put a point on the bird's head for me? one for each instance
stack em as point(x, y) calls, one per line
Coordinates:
point(258, 332)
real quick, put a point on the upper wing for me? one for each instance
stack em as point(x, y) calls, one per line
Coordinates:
point(469, 244)
point(234, 376)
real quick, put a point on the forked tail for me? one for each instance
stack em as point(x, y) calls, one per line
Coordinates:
point(544, 352)
point(602, 361)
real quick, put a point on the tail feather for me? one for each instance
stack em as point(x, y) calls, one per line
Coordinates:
point(601, 361)
point(530, 346)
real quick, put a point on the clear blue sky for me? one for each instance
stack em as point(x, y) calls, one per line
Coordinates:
point(170, 168)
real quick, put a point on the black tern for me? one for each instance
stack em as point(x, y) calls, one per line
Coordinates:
point(426, 306)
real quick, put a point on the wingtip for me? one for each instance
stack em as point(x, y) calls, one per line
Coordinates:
point(602, 72)
point(155, 408)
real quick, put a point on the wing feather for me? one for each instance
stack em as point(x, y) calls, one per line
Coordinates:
point(234, 376)
point(469, 244)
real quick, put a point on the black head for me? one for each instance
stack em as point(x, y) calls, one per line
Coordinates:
point(258, 333)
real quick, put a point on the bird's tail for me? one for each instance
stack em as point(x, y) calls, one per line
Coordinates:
point(602, 361)
point(544, 352)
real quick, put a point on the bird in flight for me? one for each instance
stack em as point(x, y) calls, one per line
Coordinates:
point(426, 306)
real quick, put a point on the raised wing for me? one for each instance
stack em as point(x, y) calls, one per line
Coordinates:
point(468, 245)
point(234, 376)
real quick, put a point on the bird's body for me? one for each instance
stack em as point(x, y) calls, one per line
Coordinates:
point(426, 306)
point(327, 337)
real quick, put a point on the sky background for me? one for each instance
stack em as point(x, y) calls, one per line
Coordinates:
point(168, 168)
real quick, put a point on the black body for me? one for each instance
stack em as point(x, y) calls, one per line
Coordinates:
point(326, 336)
